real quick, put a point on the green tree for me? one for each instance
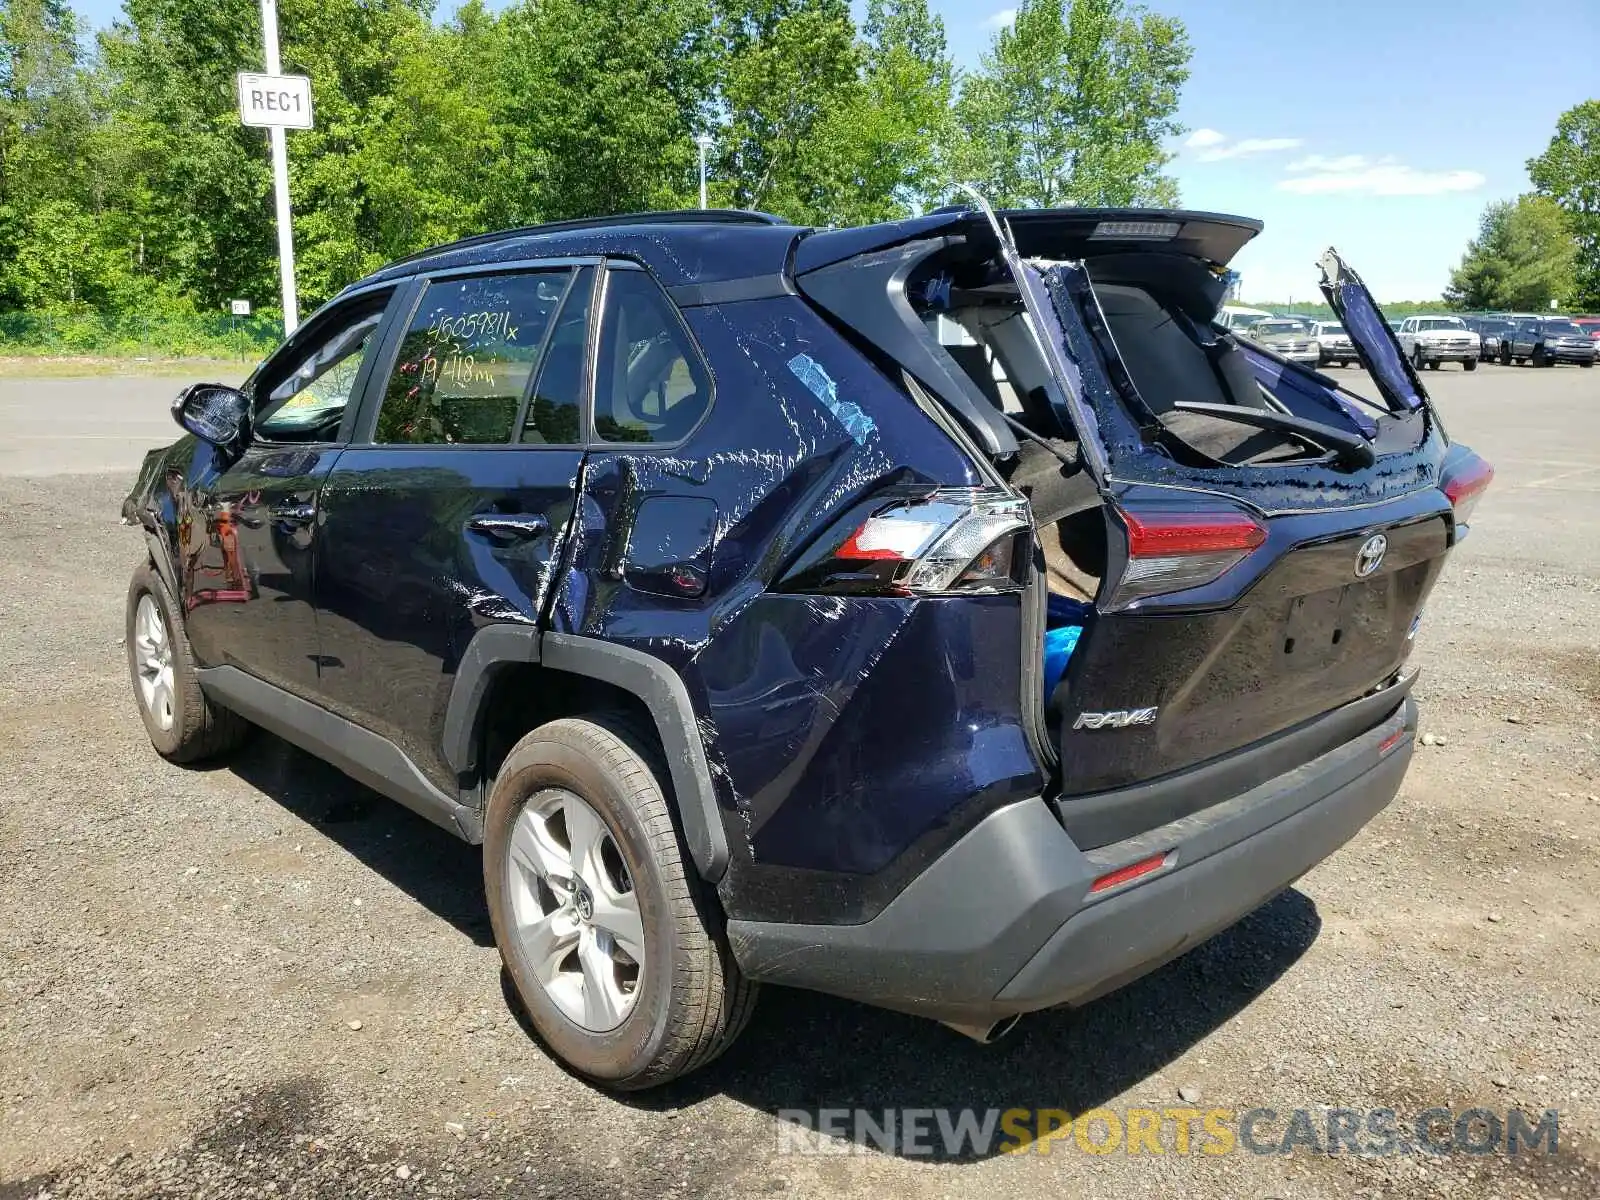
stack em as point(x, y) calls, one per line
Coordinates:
point(1073, 104)
point(877, 152)
point(788, 68)
point(601, 102)
point(1521, 260)
point(1569, 173)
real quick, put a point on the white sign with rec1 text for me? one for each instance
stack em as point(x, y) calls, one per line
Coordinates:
point(283, 100)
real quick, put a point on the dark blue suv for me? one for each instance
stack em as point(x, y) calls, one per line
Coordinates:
point(944, 613)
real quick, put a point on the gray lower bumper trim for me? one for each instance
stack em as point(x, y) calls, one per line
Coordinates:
point(1004, 921)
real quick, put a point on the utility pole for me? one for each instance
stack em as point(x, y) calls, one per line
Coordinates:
point(280, 177)
point(705, 141)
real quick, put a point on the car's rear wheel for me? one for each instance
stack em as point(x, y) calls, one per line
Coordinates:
point(1470, 364)
point(615, 947)
point(1417, 360)
point(183, 725)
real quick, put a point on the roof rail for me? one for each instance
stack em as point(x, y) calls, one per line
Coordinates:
point(682, 216)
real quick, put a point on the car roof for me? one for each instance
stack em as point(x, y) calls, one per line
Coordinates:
point(700, 246)
point(682, 247)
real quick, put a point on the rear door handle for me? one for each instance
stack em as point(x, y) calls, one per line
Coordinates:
point(295, 514)
point(508, 527)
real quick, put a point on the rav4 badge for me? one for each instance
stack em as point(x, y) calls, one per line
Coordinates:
point(1119, 718)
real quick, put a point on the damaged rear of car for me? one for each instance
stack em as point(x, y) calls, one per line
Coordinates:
point(1222, 565)
point(947, 613)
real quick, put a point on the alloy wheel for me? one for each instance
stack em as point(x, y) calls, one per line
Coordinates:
point(152, 657)
point(575, 911)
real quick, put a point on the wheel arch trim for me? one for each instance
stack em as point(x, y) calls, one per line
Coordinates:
point(654, 683)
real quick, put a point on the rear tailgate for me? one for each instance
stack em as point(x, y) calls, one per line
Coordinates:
point(1322, 568)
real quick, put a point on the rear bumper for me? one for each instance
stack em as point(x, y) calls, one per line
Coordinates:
point(1004, 922)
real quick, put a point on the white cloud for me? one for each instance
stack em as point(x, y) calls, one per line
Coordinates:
point(1354, 173)
point(1323, 162)
point(1211, 145)
point(1201, 138)
point(1247, 148)
point(1001, 19)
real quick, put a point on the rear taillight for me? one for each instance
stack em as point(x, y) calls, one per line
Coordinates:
point(1465, 481)
point(954, 540)
point(1175, 551)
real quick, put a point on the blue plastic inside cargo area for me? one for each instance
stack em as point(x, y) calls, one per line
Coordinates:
point(1064, 620)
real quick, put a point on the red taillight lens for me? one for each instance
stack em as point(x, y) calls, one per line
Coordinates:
point(1464, 484)
point(1171, 552)
point(1191, 533)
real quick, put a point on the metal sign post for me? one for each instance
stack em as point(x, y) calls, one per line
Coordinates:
point(278, 102)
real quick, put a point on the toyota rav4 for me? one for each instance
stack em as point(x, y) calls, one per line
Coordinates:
point(944, 613)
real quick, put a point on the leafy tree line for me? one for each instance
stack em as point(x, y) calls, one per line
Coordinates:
point(127, 182)
point(1544, 246)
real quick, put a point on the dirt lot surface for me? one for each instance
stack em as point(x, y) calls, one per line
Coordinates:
point(262, 980)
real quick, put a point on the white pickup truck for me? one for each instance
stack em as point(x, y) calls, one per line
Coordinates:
point(1431, 340)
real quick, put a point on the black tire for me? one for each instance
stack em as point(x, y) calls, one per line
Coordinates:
point(196, 728)
point(689, 999)
point(1434, 365)
point(1540, 359)
point(1587, 363)
point(1417, 360)
point(1470, 364)
point(1505, 356)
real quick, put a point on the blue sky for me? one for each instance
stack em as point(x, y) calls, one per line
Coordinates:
point(1381, 127)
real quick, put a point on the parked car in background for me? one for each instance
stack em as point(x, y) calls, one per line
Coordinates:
point(1491, 332)
point(1591, 326)
point(1431, 340)
point(1286, 336)
point(1394, 324)
point(1545, 341)
point(1333, 343)
point(1238, 317)
point(704, 569)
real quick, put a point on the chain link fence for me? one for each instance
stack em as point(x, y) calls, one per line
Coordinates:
point(142, 336)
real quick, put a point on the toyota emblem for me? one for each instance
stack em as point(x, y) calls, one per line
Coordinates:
point(1370, 557)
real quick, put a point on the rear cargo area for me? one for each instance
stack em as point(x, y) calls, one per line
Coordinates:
point(1143, 688)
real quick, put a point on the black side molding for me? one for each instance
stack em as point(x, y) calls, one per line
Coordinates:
point(359, 753)
point(667, 700)
point(492, 647)
point(657, 686)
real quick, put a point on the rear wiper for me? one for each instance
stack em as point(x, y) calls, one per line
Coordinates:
point(1351, 448)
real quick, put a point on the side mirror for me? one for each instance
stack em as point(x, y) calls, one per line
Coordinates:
point(213, 412)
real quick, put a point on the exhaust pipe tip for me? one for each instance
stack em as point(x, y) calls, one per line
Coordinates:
point(987, 1034)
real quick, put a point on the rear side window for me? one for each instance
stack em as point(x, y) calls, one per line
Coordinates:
point(650, 384)
point(553, 410)
point(468, 359)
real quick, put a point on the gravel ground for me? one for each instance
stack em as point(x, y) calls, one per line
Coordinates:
point(262, 980)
